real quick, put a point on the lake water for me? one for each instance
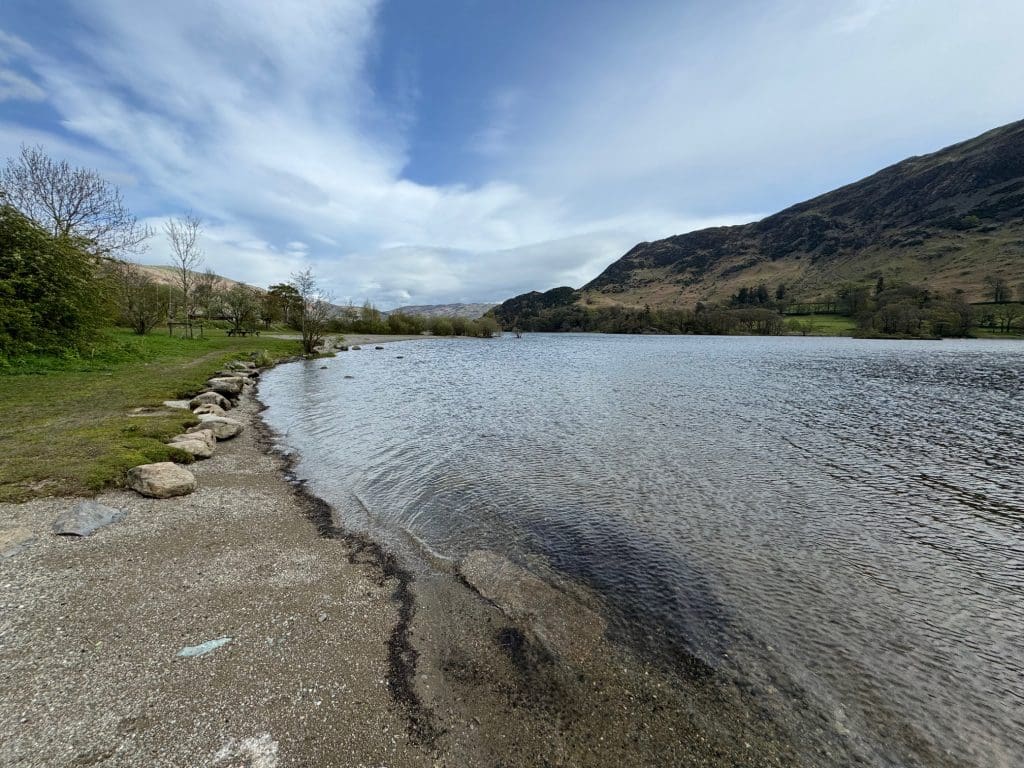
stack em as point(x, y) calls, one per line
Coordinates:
point(838, 522)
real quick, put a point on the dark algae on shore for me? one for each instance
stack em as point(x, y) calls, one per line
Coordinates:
point(774, 589)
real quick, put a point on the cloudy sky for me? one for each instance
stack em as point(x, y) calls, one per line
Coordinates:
point(467, 150)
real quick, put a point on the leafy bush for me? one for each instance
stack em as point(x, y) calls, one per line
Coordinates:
point(51, 299)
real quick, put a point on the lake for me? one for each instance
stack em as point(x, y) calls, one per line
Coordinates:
point(837, 522)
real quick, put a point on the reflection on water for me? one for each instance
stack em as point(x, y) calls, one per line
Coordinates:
point(827, 520)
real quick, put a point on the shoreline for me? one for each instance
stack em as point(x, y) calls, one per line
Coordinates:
point(90, 630)
point(338, 655)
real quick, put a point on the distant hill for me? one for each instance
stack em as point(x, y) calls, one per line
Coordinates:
point(169, 276)
point(471, 311)
point(947, 220)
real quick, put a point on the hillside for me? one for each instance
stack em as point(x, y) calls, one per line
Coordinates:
point(471, 311)
point(947, 220)
point(169, 276)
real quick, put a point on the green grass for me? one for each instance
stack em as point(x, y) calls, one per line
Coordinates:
point(827, 325)
point(68, 425)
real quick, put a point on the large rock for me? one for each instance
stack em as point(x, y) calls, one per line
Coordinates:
point(85, 517)
point(223, 427)
point(229, 386)
point(562, 623)
point(210, 409)
point(198, 433)
point(243, 374)
point(210, 398)
point(161, 480)
point(199, 449)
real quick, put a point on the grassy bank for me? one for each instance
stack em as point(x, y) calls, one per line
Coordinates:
point(70, 425)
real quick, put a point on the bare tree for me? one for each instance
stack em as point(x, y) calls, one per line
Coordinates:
point(315, 308)
point(998, 288)
point(71, 202)
point(183, 235)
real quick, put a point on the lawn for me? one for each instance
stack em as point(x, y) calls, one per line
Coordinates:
point(827, 325)
point(70, 426)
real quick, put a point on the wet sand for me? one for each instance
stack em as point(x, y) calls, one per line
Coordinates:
point(338, 657)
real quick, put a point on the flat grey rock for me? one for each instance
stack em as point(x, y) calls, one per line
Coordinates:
point(15, 540)
point(86, 517)
point(564, 626)
point(210, 398)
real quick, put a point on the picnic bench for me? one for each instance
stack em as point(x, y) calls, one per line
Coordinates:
point(242, 332)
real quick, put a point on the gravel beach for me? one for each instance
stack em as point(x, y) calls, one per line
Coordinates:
point(315, 648)
point(90, 630)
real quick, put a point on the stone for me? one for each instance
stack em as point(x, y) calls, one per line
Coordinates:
point(378, 347)
point(229, 386)
point(198, 650)
point(197, 448)
point(15, 540)
point(199, 433)
point(232, 373)
point(356, 347)
point(210, 398)
point(181, 404)
point(563, 625)
point(223, 428)
point(209, 409)
point(85, 518)
point(161, 480)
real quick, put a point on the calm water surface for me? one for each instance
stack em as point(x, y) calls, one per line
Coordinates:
point(836, 524)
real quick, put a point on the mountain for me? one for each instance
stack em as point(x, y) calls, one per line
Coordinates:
point(471, 311)
point(946, 221)
point(169, 276)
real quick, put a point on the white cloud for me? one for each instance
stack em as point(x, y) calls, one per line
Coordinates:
point(15, 87)
point(259, 117)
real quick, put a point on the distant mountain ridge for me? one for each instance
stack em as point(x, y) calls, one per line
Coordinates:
point(167, 275)
point(947, 220)
point(471, 311)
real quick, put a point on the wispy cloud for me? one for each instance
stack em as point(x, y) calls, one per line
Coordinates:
point(16, 87)
point(261, 117)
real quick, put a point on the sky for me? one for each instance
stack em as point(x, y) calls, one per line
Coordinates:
point(415, 152)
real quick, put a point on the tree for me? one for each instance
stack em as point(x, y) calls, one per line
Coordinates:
point(315, 309)
point(141, 303)
point(50, 298)
point(206, 294)
point(1006, 315)
point(183, 235)
point(282, 302)
point(998, 289)
point(241, 306)
point(71, 202)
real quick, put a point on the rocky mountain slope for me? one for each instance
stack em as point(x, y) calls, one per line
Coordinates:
point(472, 311)
point(947, 220)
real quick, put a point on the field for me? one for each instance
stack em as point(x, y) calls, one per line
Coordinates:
point(74, 425)
point(825, 325)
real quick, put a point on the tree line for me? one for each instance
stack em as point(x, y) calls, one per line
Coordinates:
point(369, 319)
point(67, 243)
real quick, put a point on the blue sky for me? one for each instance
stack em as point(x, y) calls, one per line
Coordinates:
point(421, 152)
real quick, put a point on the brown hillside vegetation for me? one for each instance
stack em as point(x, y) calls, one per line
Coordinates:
point(946, 221)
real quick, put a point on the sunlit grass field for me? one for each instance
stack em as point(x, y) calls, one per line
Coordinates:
point(68, 425)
